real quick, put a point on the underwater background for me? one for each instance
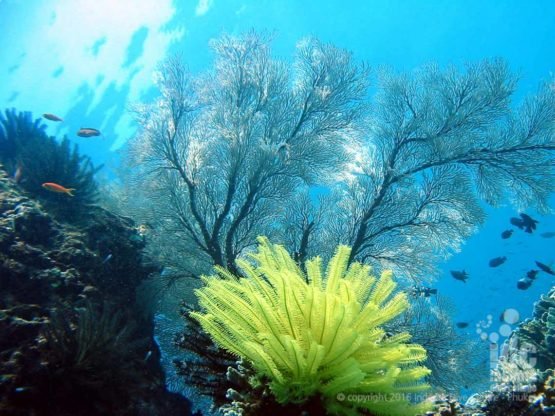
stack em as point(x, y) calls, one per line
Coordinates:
point(89, 62)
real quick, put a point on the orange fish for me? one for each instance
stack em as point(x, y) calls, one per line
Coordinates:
point(52, 117)
point(54, 187)
point(88, 132)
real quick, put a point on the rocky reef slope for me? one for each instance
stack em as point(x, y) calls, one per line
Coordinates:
point(73, 339)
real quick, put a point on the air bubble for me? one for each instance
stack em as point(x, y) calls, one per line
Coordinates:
point(511, 316)
point(505, 330)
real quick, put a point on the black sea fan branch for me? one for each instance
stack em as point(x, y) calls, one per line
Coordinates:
point(205, 365)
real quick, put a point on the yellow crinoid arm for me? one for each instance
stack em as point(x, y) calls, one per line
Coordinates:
point(311, 333)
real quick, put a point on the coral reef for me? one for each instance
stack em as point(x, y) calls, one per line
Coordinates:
point(59, 287)
point(515, 372)
point(539, 332)
point(523, 380)
point(93, 351)
point(523, 383)
point(524, 376)
point(257, 399)
point(313, 338)
point(33, 158)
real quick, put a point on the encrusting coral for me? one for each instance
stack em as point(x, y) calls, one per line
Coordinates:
point(524, 374)
point(539, 332)
point(313, 335)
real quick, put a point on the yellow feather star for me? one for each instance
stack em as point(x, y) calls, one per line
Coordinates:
point(317, 334)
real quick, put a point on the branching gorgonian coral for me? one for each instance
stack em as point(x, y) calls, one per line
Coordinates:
point(438, 143)
point(453, 359)
point(220, 153)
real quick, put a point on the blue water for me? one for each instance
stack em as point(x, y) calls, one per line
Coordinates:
point(89, 61)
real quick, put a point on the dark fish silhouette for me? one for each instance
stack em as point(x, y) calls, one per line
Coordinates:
point(545, 268)
point(525, 222)
point(517, 222)
point(531, 274)
point(529, 222)
point(506, 234)
point(523, 284)
point(498, 261)
point(422, 291)
point(429, 291)
point(461, 324)
point(549, 234)
point(459, 275)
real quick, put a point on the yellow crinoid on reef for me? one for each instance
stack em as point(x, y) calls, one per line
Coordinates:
point(313, 334)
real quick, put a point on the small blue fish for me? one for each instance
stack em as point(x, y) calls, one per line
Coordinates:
point(21, 389)
point(107, 258)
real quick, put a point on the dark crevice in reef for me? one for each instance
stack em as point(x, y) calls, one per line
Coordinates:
point(73, 341)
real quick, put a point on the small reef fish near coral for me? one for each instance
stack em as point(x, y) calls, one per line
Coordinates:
point(54, 187)
point(545, 268)
point(531, 274)
point(18, 174)
point(426, 292)
point(506, 234)
point(88, 132)
point(497, 261)
point(523, 283)
point(52, 117)
point(525, 222)
point(82, 132)
point(459, 275)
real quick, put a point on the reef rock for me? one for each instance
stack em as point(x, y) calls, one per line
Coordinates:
point(68, 315)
